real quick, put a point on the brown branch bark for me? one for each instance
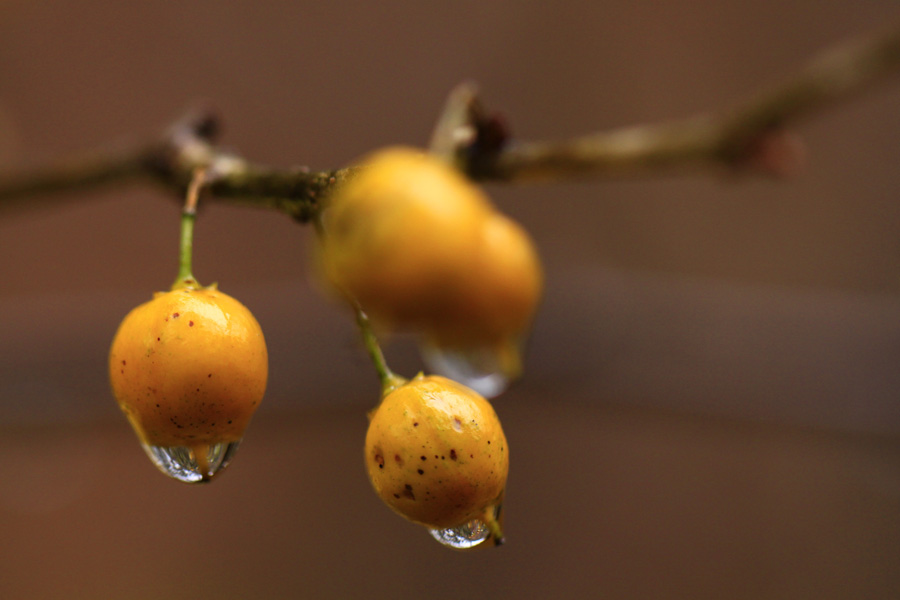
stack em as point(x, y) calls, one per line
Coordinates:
point(733, 138)
point(750, 137)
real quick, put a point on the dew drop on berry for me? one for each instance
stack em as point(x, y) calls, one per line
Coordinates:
point(465, 536)
point(481, 369)
point(197, 464)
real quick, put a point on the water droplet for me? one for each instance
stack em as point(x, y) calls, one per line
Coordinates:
point(195, 464)
point(487, 370)
point(462, 537)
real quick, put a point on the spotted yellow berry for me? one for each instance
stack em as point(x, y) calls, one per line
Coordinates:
point(435, 453)
point(189, 369)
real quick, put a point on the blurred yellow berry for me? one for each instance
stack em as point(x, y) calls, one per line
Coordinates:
point(421, 248)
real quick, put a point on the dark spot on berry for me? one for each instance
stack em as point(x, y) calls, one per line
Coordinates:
point(229, 421)
point(175, 315)
point(452, 454)
point(210, 375)
point(415, 423)
point(424, 457)
point(420, 471)
point(157, 339)
point(408, 492)
point(378, 459)
point(398, 459)
point(190, 323)
point(396, 495)
point(123, 363)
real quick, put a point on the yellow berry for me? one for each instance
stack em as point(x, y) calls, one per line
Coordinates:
point(421, 248)
point(400, 236)
point(435, 453)
point(497, 298)
point(189, 368)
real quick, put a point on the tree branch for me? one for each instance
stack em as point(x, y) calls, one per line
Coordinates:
point(737, 138)
point(751, 137)
point(80, 172)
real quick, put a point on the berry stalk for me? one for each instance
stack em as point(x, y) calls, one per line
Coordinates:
point(389, 380)
point(185, 278)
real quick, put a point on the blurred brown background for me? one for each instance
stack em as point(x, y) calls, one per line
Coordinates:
point(711, 405)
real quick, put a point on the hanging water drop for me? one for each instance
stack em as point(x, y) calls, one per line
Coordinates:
point(196, 464)
point(463, 537)
point(488, 369)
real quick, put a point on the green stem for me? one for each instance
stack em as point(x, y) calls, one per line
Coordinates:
point(185, 278)
point(389, 380)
